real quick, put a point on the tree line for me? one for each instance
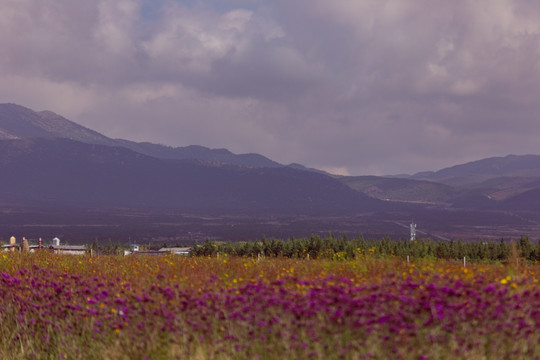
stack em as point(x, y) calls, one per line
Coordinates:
point(331, 247)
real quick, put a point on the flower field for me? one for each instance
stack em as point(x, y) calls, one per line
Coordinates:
point(172, 307)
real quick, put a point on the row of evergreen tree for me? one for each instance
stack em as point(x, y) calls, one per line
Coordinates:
point(342, 248)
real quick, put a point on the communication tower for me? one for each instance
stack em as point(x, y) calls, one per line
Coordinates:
point(413, 231)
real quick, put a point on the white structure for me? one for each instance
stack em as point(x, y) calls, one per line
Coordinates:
point(133, 248)
point(56, 241)
point(176, 250)
point(413, 231)
point(70, 249)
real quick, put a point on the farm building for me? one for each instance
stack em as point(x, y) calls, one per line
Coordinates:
point(69, 249)
point(176, 250)
point(54, 247)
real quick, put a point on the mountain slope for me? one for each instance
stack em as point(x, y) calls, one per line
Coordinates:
point(214, 156)
point(64, 172)
point(475, 185)
point(396, 189)
point(18, 122)
point(526, 201)
point(478, 171)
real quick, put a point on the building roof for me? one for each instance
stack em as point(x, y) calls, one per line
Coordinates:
point(175, 249)
point(70, 247)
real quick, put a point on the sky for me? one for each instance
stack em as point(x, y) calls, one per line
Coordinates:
point(354, 87)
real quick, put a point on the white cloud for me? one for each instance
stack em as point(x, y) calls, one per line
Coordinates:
point(465, 87)
point(115, 25)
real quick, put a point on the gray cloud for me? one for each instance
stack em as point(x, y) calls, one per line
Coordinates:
point(357, 86)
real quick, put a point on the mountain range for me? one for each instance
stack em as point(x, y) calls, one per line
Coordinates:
point(18, 122)
point(494, 183)
point(46, 159)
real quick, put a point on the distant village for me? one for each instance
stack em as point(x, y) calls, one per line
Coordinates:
point(56, 247)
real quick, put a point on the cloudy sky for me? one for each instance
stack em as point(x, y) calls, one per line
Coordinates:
point(350, 86)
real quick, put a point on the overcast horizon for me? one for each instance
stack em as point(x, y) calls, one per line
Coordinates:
point(351, 87)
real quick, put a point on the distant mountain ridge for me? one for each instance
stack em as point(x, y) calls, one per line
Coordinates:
point(63, 172)
point(201, 153)
point(511, 182)
point(19, 122)
point(485, 169)
point(396, 189)
point(47, 160)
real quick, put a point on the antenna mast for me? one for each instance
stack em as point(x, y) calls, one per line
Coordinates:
point(413, 231)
